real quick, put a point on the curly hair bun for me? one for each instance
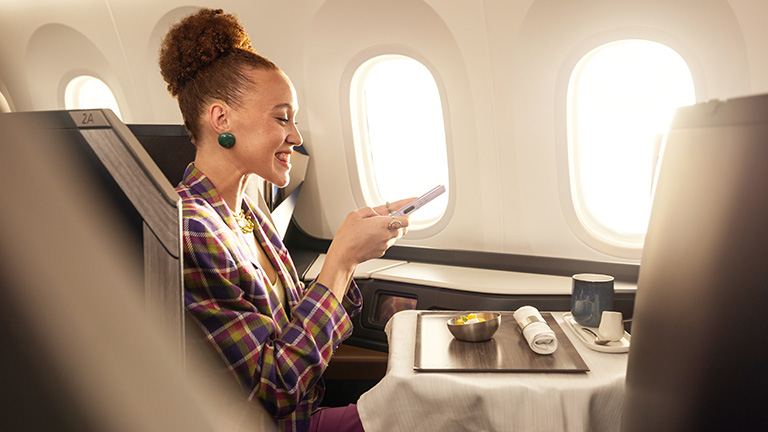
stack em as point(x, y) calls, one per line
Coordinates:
point(197, 41)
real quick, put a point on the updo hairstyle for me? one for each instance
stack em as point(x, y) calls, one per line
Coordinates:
point(205, 57)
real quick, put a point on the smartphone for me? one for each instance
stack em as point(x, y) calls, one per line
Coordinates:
point(419, 202)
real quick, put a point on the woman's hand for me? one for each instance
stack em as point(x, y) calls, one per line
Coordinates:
point(368, 233)
point(365, 234)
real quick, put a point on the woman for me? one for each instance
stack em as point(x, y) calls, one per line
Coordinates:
point(275, 334)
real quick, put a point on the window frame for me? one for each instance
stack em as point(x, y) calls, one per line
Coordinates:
point(364, 187)
point(72, 99)
point(617, 247)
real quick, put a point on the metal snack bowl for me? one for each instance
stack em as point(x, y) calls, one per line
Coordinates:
point(476, 332)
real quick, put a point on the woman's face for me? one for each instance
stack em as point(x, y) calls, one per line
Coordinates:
point(264, 125)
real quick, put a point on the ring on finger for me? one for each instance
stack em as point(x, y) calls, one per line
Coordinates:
point(394, 224)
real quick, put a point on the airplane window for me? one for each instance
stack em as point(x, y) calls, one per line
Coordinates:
point(86, 92)
point(4, 106)
point(621, 98)
point(399, 134)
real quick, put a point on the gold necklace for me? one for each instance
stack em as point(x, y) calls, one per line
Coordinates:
point(244, 222)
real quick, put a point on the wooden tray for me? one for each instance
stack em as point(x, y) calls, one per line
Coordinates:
point(438, 351)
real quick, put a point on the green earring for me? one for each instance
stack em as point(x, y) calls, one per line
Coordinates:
point(226, 140)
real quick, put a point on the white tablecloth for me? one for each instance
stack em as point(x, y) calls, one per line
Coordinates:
point(407, 400)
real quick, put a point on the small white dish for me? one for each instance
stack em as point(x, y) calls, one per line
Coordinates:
point(620, 346)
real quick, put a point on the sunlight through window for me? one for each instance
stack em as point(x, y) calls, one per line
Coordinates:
point(87, 92)
point(621, 98)
point(399, 133)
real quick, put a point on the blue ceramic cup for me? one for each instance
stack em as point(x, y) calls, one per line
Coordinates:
point(591, 295)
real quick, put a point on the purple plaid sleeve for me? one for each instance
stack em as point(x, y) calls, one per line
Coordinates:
point(277, 352)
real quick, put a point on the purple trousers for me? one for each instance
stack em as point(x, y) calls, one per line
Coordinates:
point(336, 419)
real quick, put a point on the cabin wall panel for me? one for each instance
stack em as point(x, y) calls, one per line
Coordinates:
point(13, 52)
point(163, 108)
point(55, 55)
point(140, 26)
point(405, 27)
point(504, 20)
point(466, 22)
point(752, 15)
point(62, 45)
point(500, 65)
point(553, 33)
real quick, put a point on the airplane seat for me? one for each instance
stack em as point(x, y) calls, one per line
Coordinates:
point(83, 349)
point(143, 206)
point(698, 357)
point(168, 146)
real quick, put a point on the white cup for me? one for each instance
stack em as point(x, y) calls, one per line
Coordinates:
point(611, 326)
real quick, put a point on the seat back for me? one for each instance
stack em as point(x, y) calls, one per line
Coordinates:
point(88, 343)
point(168, 146)
point(698, 357)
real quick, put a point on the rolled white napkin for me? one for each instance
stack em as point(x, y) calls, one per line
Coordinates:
point(540, 337)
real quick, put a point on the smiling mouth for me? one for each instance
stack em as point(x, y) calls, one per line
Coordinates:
point(284, 158)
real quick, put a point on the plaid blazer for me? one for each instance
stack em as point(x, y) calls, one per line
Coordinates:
point(276, 352)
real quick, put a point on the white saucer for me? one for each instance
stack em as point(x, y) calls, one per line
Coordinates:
point(620, 346)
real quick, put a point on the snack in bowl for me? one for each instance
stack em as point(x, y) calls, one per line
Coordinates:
point(474, 327)
point(469, 319)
